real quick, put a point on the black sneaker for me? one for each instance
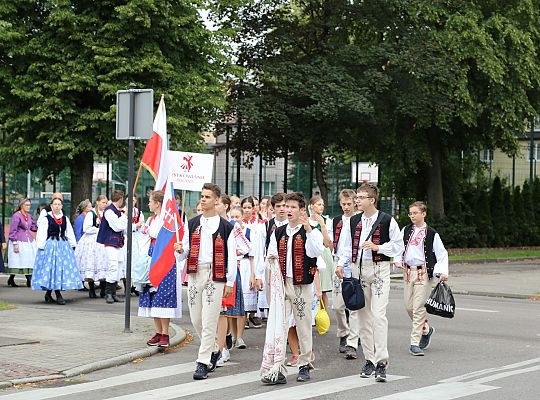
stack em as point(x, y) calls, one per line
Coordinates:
point(380, 372)
point(213, 360)
point(425, 339)
point(350, 353)
point(303, 374)
point(255, 321)
point(228, 341)
point(367, 370)
point(281, 380)
point(343, 344)
point(201, 372)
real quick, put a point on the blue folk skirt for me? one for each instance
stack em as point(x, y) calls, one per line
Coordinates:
point(55, 267)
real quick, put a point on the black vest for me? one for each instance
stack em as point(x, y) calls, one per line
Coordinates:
point(383, 230)
point(429, 256)
point(54, 230)
point(107, 235)
point(269, 226)
point(303, 278)
point(224, 229)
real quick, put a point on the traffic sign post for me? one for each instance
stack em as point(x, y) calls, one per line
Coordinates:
point(134, 114)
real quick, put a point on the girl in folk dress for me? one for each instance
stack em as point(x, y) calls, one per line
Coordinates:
point(325, 262)
point(83, 208)
point(165, 301)
point(22, 246)
point(55, 267)
point(90, 255)
point(247, 269)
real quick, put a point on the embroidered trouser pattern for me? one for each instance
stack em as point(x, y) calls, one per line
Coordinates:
point(339, 307)
point(298, 301)
point(415, 294)
point(204, 301)
point(372, 321)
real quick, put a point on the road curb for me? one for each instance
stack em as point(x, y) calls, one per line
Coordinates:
point(179, 337)
point(396, 283)
point(461, 261)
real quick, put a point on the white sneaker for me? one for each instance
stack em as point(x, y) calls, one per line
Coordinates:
point(240, 343)
point(225, 355)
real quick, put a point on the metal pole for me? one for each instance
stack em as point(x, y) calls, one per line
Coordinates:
point(285, 167)
point(4, 185)
point(131, 172)
point(260, 175)
point(513, 172)
point(311, 166)
point(356, 174)
point(107, 182)
point(531, 154)
point(227, 138)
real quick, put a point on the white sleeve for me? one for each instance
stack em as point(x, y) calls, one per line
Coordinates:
point(314, 243)
point(344, 249)
point(442, 256)
point(394, 247)
point(260, 264)
point(231, 260)
point(41, 235)
point(42, 214)
point(117, 224)
point(272, 247)
point(88, 224)
point(70, 235)
point(400, 258)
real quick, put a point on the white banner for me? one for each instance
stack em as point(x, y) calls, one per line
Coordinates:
point(190, 171)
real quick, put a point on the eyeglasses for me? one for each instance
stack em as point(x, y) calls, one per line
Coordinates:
point(364, 197)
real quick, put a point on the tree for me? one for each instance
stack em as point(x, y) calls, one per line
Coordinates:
point(62, 63)
point(465, 76)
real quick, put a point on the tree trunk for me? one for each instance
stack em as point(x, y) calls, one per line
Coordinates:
point(319, 176)
point(434, 188)
point(82, 172)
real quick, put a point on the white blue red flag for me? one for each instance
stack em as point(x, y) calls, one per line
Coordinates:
point(172, 230)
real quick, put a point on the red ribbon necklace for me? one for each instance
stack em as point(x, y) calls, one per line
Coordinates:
point(58, 221)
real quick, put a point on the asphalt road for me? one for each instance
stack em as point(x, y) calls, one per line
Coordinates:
point(490, 350)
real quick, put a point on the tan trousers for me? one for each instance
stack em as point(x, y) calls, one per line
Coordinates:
point(339, 307)
point(371, 320)
point(416, 292)
point(298, 301)
point(204, 301)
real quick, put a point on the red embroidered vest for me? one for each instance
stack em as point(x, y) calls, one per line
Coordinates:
point(303, 266)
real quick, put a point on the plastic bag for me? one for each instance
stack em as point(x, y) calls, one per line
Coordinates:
point(441, 301)
point(322, 319)
point(353, 293)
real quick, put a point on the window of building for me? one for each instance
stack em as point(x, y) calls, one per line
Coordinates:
point(232, 189)
point(268, 188)
point(486, 155)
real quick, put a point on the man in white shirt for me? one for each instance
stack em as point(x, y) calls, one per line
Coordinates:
point(424, 258)
point(296, 247)
point(339, 231)
point(210, 251)
point(375, 238)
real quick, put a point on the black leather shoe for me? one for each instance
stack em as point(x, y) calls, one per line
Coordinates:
point(28, 280)
point(201, 372)
point(49, 298)
point(303, 374)
point(11, 281)
point(213, 360)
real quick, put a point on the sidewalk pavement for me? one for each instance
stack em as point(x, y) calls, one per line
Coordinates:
point(40, 343)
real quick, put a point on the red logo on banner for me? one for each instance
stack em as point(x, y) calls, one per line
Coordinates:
point(188, 163)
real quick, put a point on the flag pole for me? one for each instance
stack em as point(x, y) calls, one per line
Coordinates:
point(181, 215)
point(137, 178)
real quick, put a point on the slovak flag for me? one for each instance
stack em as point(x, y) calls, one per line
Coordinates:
point(154, 158)
point(163, 258)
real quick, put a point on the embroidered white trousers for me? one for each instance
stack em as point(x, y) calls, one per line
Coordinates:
point(339, 307)
point(298, 301)
point(204, 301)
point(370, 323)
